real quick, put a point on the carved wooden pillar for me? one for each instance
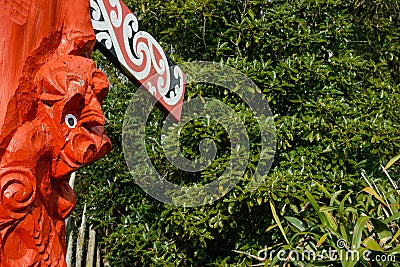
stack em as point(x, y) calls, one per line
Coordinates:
point(51, 123)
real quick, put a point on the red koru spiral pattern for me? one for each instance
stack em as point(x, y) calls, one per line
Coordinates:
point(18, 189)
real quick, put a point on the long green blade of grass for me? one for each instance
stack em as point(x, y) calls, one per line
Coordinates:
point(358, 231)
point(372, 192)
point(392, 161)
point(278, 221)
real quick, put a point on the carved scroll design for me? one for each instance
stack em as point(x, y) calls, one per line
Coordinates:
point(66, 134)
point(137, 52)
point(51, 123)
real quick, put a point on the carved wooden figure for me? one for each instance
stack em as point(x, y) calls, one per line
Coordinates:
point(51, 123)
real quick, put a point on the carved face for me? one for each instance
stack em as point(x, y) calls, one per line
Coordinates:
point(71, 91)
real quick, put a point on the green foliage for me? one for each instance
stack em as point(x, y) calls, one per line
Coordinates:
point(330, 71)
point(356, 229)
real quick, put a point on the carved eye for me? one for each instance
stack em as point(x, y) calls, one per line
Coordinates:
point(71, 121)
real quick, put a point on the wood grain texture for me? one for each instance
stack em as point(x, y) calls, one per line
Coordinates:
point(51, 123)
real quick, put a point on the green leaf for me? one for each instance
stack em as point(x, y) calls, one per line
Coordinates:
point(345, 259)
point(392, 161)
point(396, 235)
point(277, 220)
point(331, 220)
point(342, 206)
point(296, 223)
point(322, 239)
point(358, 231)
point(334, 198)
point(395, 250)
point(371, 244)
point(381, 228)
point(315, 205)
point(323, 189)
point(271, 227)
point(251, 13)
point(372, 192)
point(343, 219)
point(394, 217)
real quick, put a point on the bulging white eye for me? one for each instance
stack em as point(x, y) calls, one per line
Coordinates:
point(71, 121)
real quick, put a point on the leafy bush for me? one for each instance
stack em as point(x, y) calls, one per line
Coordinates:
point(330, 71)
point(351, 229)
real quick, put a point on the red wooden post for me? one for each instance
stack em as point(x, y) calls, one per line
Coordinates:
point(51, 123)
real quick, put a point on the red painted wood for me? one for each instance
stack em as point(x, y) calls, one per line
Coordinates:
point(138, 55)
point(51, 123)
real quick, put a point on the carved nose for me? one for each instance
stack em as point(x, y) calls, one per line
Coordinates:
point(89, 155)
point(105, 147)
point(81, 149)
point(85, 146)
point(100, 139)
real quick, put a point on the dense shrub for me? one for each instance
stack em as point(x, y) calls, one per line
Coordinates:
point(330, 71)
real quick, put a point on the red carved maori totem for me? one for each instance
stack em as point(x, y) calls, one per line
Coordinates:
point(51, 123)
